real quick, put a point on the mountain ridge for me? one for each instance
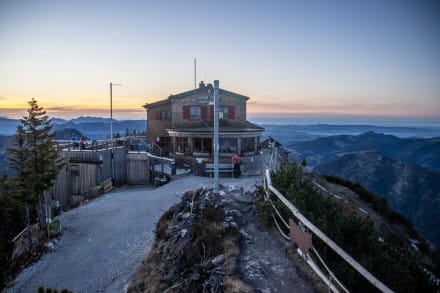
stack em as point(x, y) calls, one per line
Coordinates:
point(92, 127)
point(410, 189)
point(422, 151)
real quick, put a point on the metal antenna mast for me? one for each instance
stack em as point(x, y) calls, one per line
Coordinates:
point(195, 73)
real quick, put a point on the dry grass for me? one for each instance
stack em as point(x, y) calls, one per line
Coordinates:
point(235, 285)
point(179, 263)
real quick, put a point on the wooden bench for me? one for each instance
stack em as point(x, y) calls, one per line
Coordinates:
point(222, 168)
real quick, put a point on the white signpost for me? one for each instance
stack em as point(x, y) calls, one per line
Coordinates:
point(205, 100)
point(216, 133)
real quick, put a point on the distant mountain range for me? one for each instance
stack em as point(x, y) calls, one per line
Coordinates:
point(424, 152)
point(82, 119)
point(91, 127)
point(289, 134)
point(410, 189)
point(404, 171)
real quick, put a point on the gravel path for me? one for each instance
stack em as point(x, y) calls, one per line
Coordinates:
point(104, 241)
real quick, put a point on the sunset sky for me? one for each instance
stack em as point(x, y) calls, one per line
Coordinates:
point(298, 58)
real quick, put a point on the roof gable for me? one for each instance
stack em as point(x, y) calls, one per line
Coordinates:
point(201, 90)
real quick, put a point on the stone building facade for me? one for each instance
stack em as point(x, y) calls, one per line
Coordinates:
point(184, 123)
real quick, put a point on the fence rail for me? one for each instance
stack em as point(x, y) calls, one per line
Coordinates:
point(270, 189)
point(134, 143)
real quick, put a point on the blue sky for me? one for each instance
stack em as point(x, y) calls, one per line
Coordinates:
point(332, 58)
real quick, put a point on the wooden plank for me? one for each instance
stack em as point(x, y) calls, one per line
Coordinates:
point(222, 168)
point(76, 199)
point(299, 237)
point(138, 168)
point(120, 165)
point(108, 185)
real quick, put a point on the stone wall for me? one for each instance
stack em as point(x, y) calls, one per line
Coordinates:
point(157, 126)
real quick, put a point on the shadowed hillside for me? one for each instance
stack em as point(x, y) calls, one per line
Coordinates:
point(412, 190)
point(362, 224)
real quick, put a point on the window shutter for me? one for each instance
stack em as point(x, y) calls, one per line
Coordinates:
point(185, 112)
point(231, 114)
point(204, 112)
point(157, 114)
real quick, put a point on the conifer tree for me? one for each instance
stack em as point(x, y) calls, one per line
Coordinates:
point(5, 244)
point(35, 157)
point(20, 193)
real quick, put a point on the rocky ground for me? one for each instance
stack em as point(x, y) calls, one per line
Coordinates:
point(212, 243)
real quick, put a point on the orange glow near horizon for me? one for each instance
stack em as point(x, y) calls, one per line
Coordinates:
point(131, 108)
point(376, 109)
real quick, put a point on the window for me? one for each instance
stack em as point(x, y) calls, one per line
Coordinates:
point(202, 144)
point(195, 111)
point(247, 144)
point(224, 111)
point(165, 115)
point(182, 145)
point(227, 144)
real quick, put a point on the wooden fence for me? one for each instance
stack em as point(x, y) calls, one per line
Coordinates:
point(88, 164)
point(138, 171)
point(86, 169)
point(272, 191)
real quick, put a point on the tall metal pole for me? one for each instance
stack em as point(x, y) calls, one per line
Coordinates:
point(111, 134)
point(111, 128)
point(111, 116)
point(216, 134)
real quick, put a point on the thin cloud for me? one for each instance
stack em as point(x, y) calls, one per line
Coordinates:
point(116, 33)
point(76, 111)
point(341, 108)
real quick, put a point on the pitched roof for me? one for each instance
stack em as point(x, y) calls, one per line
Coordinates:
point(202, 89)
point(155, 104)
